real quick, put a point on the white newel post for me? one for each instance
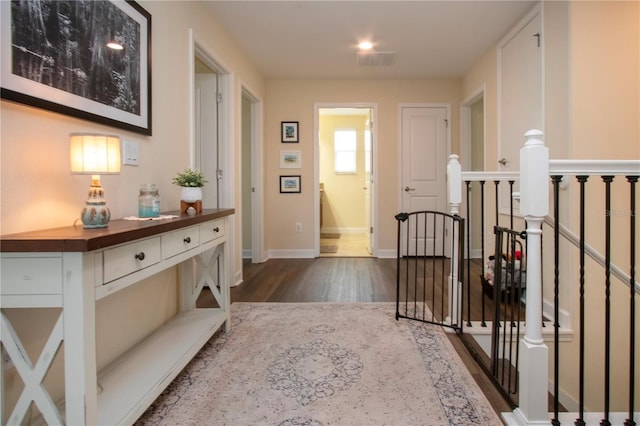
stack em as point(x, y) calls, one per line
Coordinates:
point(534, 205)
point(454, 180)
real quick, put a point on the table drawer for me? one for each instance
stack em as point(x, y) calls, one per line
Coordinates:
point(31, 275)
point(180, 241)
point(211, 230)
point(130, 258)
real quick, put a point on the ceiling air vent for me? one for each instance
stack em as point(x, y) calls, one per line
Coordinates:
point(375, 58)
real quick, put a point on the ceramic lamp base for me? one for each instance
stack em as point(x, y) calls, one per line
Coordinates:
point(196, 205)
point(95, 215)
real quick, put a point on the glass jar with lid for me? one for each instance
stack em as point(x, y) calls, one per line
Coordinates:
point(148, 201)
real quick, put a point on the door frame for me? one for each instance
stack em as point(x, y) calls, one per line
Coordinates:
point(465, 127)
point(226, 189)
point(317, 106)
point(257, 176)
point(465, 145)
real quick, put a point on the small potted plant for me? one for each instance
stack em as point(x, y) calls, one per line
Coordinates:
point(191, 182)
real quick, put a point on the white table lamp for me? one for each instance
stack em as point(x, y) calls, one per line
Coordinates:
point(95, 154)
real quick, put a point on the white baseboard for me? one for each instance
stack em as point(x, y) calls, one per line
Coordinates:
point(387, 253)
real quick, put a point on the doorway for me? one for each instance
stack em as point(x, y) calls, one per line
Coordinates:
point(206, 117)
point(252, 178)
point(472, 135)
point(345, 188)
point(211, 141)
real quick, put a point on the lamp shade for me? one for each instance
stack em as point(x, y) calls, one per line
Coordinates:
point(94, 153)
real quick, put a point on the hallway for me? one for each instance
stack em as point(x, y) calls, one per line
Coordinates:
point(344, 245)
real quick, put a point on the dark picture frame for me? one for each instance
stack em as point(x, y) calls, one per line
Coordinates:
point(289, 132)
point(64, 65)
point(290, 184)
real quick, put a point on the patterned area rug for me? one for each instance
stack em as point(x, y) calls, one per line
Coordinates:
point(323, 364)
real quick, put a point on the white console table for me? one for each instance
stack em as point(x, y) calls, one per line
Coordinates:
point(71, 268)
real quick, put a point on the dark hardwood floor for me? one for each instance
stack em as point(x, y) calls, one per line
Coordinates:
point(342, 280)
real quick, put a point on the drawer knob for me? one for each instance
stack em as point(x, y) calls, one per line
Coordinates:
point(187, 240)
point(140, 256)
point(216, 229)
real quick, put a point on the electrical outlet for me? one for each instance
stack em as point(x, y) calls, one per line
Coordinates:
point(298, 227)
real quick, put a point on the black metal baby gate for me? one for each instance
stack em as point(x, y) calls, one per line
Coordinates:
point(507, 279)
point(429, 262)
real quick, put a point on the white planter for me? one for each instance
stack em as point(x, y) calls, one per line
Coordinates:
point(191, 194)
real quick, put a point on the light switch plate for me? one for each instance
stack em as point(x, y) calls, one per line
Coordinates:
point(130, 153)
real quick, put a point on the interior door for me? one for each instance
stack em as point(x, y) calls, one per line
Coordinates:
point(520, 97)
point(424, 167)
point(206, 131)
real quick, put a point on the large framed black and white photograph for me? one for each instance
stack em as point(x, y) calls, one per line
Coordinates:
point(89, 59)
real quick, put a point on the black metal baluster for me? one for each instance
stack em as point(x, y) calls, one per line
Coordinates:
point(442, 258)
point(511, 264)
point(483, 323)
point(424, 268)
point(511, 204)
point(497, 277)
point(415, 264)
point(503, 309)
point(607, 302)
point(466, 284)
point(433, 273)
point(407, 266)
point(468, 236)
point(497, 284)
point(580, 420)
point(556, 300)
point(399, 218)
point(497, 188)
point(632, 299)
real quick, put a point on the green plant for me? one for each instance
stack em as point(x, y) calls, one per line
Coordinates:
point(190, 178)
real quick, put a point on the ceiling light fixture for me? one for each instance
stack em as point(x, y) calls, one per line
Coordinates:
point(365, 45)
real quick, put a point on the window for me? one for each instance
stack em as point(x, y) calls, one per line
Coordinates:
point(345, 151)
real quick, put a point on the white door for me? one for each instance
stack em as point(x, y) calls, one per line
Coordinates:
point(520, 97)
point(206, 131)
point(424, 168)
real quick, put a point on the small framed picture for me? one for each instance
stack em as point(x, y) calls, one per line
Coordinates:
point(290, 159)
point(290, 184)
point(289, 132)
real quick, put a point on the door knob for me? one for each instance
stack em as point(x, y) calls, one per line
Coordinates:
point(407, 189)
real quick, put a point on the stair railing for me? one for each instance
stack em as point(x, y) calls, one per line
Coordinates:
point(536, 172)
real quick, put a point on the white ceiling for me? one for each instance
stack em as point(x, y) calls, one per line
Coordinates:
point(318, 38)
